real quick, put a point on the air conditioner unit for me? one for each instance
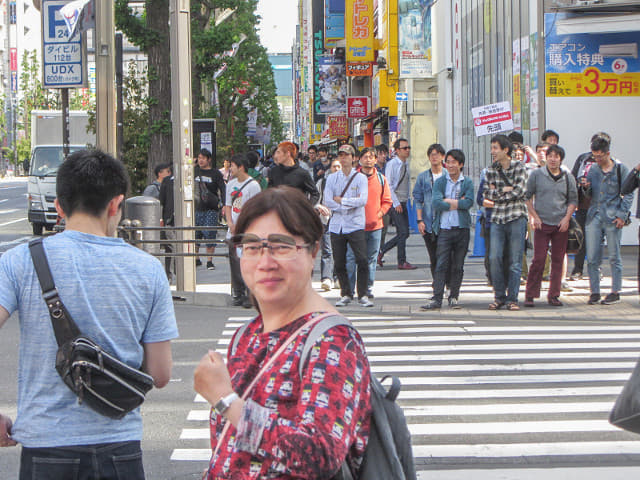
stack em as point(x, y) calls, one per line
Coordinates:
point(598, 24)
point(619, 50)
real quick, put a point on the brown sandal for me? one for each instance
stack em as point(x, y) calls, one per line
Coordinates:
point(513, 307)
point(496, 305)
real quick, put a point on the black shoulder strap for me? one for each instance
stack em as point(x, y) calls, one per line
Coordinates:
point(64, 327)
point(619, 177)
point(504, 176)
point(346, 187)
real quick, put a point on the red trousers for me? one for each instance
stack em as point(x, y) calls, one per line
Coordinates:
point(541, 239)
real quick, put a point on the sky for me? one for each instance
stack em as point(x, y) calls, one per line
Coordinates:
point(278, 25)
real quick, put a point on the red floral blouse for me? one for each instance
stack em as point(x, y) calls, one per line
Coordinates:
point(292, 428)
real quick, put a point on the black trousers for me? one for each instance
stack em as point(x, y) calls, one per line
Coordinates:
point(238, 288)
point(358, 243)
point(452, 250)
point(431, 242)
point(578, 262)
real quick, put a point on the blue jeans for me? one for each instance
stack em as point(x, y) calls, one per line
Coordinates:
point(106, 461)
point(401, 221)
point(326, 255)
point(373, 246)
point(509, 236)
point(596, 231)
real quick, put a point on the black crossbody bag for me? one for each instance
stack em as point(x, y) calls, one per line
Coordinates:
point(99, 380)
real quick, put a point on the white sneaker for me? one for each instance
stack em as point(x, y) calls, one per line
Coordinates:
point(343, 302)
point(365, 302)
point(326, 285)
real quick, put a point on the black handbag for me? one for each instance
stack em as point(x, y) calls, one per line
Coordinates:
point(208, 200)
point(99, 380)
point(575, 238)
point(626, 411)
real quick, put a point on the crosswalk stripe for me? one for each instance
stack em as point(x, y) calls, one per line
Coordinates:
point(551, 473)
point(515, 427)
point(520, 356)
point(501, 367)
point(495, 392)
point(503, 346)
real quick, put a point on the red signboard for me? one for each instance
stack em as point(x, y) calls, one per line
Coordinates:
point(13, 59)
point(359, 69)
point(338, 126)
point(358, 107)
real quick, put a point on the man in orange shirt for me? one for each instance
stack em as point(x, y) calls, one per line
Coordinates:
point(378, 204)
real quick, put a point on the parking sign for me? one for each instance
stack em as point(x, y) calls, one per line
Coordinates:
point(64, 59)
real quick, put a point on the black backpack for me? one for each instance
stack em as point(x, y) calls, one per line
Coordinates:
point(388, 455)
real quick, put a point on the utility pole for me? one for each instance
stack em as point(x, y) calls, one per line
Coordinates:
point(105, 78)
point(180, 19)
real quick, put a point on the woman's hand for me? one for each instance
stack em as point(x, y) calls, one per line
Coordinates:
point(211, 378)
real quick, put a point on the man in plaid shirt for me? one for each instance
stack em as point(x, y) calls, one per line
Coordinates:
point(505, 187)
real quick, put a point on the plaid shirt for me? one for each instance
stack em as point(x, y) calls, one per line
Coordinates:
point(511, 205)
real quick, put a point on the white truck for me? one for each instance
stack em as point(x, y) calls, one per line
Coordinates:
point(46, 157)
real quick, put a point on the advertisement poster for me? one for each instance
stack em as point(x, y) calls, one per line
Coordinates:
point(517, 91)
point(533, 97)
point(317, 45)
point(414, 35)
point(333, 22)
point(590, 65)
point(332, 82)
point(358, 19)
point(525, 82)
point(338, 126)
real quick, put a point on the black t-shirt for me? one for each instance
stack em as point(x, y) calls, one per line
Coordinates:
point(294, 176)
point(211, 179)
point(166, 200)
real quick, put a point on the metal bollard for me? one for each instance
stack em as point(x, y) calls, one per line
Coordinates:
point(145, 212)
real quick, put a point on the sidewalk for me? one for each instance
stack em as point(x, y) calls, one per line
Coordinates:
point(402, 292)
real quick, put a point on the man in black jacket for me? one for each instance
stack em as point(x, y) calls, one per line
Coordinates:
point(287, 172)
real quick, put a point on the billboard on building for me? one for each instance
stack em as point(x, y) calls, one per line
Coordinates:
point(317, 44)
point(414, 38)
point(590, 64)
point(333, 22)
point(359, 34)
point(332, 83)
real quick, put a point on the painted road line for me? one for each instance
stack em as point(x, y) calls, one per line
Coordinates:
point(525, 393)
point(501, 367)
point(448, 358)
point(496, 409)
point(551, 473)
point(12, 222)
point(508, 427)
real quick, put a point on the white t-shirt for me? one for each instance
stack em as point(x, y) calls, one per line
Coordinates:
point(237, 194)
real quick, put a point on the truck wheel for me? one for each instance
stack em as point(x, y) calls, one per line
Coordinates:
point(37, 228)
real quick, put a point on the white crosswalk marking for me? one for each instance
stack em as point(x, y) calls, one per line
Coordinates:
point(522, 396)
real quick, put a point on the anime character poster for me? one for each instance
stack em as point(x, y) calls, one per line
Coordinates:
point(414, 35)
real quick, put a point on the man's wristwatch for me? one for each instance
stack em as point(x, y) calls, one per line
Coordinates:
point(225, 402)
point(419, 221)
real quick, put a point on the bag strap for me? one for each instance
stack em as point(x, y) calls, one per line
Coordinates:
point(317, 331)
point(266, 367)
point(348, 183)
point(504, 176)
point(237, 192)
point(64, 327)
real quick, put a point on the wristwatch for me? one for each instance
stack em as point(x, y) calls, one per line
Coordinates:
point(420, 221)
point(225, 402)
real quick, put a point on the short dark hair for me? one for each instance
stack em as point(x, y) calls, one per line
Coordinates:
point(396, 144)
point(253, 158)
point(556, 149)
point(88, 180)
point(516, 137)
point(437, 147)
point(241, 160)
point(367, 150)
point(604, 135)
point(456, 154)
point(312, 148)
point(543, 145)
point(292, 208)
point(549, 133)
point(600, 144)
point(161, 166)
point(204, 152)
point(382, 148)
point(504, 142)
point(323, 149)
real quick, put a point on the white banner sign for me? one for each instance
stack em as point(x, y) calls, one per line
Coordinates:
point(492, 119)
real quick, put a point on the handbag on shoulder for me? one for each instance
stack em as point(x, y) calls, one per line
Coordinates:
point(626, 411)
point(99, 380)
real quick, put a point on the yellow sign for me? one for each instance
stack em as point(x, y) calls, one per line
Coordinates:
point(593, 83)
point(358, 22)
point(517, 94)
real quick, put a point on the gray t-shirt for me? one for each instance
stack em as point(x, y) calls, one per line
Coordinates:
point(117, 294)
point(551, 200)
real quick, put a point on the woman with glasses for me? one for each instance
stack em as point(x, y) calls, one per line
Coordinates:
point(296, 421)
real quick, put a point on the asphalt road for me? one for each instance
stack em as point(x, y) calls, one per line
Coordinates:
point(14, 227)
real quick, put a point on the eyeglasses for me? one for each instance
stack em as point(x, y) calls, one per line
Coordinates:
point(404, 148)
point(600, 156)
point(281, 247)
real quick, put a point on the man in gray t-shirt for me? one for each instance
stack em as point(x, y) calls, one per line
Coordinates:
point(117, 295)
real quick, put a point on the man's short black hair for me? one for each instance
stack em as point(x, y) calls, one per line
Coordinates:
point(435, 147)
point(382, 148)
point(205, 153)
point(88, 180)
point(604, 135)
point(556, 149)
point(549, 133)
point(504, 142)
point(600, 144)
point(323, 149)
point(516, 137)
point(312, 148)
point(396, 144)
point(456, 154)
point(160, 167)
point(253, 158)
point(241, 160)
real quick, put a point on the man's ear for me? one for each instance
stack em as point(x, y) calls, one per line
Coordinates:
point(61, 213)
point(114, 205)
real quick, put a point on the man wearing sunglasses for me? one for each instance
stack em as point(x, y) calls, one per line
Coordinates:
point(397, 172)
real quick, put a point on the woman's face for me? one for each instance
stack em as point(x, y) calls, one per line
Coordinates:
point(226, 164)
point(277, 282)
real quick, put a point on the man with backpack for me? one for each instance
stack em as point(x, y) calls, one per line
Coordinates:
point(161, 171)
point(608, 213)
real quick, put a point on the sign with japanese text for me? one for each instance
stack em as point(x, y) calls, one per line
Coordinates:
point(358, 107)
point(359, 69)
point(590, 64)
point(414, 37)
point(13, 59)
point(333, 22)
point(317, 46)
point(358, 21)
point(338, 126)
point(63, 58)
point(492, 119)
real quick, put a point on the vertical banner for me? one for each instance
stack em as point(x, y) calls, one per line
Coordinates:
point(517, 91)
point(359, 30)
point(317, 44)
point(525, 82)
point(533, 57)
point(332, 82)
point(333, 22)
point(414, 36)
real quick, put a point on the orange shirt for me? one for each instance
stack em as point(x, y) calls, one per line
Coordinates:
point(378, 202)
